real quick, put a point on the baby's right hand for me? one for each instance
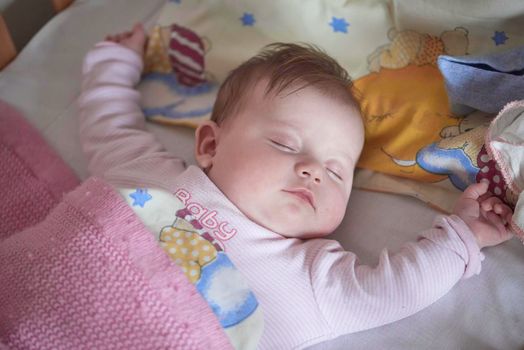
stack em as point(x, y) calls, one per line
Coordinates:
point(487, 216)
point(134, 39)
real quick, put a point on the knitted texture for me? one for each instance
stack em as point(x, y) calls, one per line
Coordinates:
point(90, 276)
point(32, 176)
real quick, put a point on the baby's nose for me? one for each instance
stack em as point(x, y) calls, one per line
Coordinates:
point(310, 170)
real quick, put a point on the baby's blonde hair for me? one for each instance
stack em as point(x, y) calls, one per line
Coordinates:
point(285, 66)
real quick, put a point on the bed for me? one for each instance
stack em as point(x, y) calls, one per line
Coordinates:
point(484, 312)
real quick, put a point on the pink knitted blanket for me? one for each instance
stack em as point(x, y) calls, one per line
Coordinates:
point(82, 272)
point(32, 177)
point(90, 276)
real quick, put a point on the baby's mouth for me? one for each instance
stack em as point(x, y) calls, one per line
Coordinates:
point(303, 194)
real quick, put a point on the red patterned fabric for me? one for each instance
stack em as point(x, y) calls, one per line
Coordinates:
point(490, 171)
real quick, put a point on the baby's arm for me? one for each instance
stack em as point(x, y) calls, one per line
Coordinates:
point(112, 125)
point(354, 297)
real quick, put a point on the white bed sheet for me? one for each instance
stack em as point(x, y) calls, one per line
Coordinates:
point(484, 312)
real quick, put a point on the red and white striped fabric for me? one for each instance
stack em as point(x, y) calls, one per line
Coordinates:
point(186, 53)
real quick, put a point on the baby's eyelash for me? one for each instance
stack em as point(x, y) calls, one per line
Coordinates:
point(281, 145)
point(335, 174)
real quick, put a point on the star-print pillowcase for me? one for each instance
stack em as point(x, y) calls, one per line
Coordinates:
point(195, 44)
point(495, 26)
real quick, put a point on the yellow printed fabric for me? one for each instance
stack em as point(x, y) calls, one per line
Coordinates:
point(404, 110)
point(188, 250)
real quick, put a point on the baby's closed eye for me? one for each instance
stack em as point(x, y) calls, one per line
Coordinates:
point(284, 145)
point(337, 174)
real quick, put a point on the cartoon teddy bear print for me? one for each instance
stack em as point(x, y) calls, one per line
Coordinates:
point(187, 248)
point(410, 47)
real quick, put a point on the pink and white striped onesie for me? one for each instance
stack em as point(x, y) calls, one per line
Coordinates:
point(309, 290)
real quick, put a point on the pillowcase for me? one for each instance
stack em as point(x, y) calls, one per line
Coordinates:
point(411, 132)
point(195, 44)
point(390, 49)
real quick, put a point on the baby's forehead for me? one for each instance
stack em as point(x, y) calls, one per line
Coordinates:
point(298, 104)
point(311, 112)
point(297, 90)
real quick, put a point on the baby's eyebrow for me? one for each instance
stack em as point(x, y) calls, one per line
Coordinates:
point(286, 124)
point(349, 160)
point(288, 128)
point(342, 159)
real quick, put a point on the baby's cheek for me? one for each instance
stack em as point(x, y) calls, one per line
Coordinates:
point(336, 211)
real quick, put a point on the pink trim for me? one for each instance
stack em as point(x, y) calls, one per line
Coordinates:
point(517, 230)
point(506, 173)
point(505, 170)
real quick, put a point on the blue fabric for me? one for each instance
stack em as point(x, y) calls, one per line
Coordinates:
point(484, 82)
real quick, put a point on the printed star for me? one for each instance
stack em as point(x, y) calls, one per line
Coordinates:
point(248, 19)
point(499, 38)
point(140, 197)
point(339, 25)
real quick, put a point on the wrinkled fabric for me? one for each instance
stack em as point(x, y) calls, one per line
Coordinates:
point(505, 144)
point(483, 82)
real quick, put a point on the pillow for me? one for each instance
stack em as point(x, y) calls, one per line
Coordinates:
point(391, 55)
point(411, 132)
point(209, 39)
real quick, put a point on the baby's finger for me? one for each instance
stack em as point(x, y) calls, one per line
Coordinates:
point(485, 196)
point(504, 211)
point(500, 209)
point(114, 37)
point(501, 213)
point(489, 203)
point(496, 221)
point(476, 190)
point(507, 233)
point(123, 36)
point(138, 27)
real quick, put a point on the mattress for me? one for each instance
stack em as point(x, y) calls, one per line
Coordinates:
point(483, 312)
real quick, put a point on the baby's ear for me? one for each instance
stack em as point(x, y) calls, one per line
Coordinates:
point(206, 136)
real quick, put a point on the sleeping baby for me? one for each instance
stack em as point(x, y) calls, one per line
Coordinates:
point(275, 171)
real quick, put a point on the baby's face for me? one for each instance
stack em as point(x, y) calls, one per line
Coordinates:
point(287, 161)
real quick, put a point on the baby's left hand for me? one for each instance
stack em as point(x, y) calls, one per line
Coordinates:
point(134, 39)
point(486, 215)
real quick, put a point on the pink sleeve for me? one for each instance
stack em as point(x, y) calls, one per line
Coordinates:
point(354, 297)
point(112, 125)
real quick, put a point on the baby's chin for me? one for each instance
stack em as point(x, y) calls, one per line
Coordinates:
point(297, 232)
point(300, 228)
